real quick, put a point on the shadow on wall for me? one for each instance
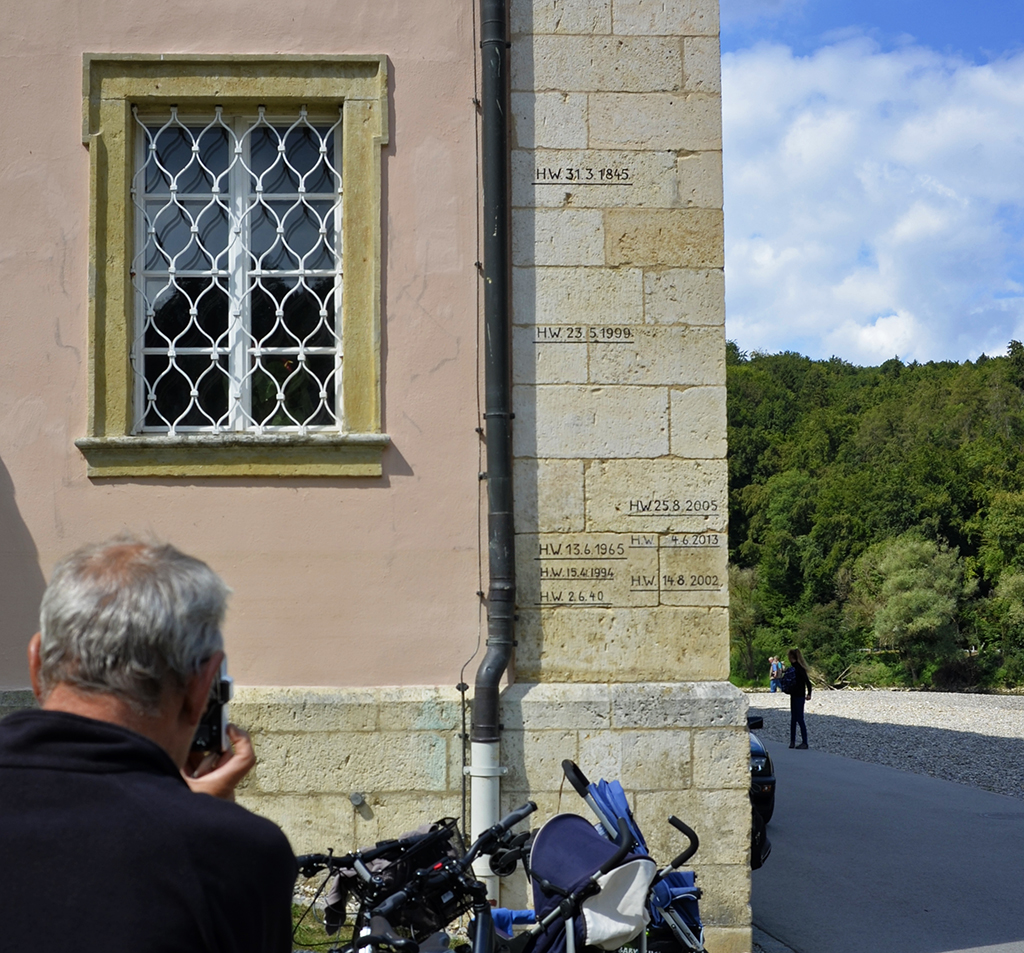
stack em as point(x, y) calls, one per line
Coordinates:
point(523, 289)
point(21, 587)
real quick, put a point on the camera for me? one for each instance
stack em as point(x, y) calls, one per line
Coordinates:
point(212, 733)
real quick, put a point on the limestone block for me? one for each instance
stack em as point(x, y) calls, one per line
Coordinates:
point(313, 824)
point(693, 574)
point(684, 296)
point(659, 354)
point(305, 709)
point(720, 818)
point(329, 762)
point(543, 706)
point(699, 180)
point(656, 17)
point(595, 296)
point(557, 237)
point(549, 495)
point(728, 939)
point(676, 121)
point(623, 645)
point(721, 759)
point(570, 422)
point(697, 425)
point(534, 758)
point(638, 64)
point(549, 120)
point(726, 893)
point(419, 708)
point(549, 803)
point(395, 813)
point(702, 64)
point(571, 570)
point(678, 705)
point(604, 179)
point(655, 760)
point(546, 354)
point(561, 16)
point(601, 754)
point(657, 496)
point(688, 237)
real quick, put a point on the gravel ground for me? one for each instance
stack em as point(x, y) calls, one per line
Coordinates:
point(969, 739)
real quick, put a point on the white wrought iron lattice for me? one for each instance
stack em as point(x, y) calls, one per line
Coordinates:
point(237, 273)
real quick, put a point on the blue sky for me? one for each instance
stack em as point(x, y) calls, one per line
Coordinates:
point(874, 173)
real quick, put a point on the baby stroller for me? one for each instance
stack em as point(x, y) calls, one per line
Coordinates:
point(675, 925)
point(668, 902)
point(588, 890)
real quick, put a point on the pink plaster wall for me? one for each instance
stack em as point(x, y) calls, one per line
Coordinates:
point(336, 582)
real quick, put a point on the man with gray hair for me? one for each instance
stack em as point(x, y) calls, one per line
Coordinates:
point(109, 834)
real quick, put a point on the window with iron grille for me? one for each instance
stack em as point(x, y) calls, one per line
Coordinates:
point(237, 271)
point(231, 198)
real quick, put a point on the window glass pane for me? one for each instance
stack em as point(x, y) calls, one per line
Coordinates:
point(281, 159)
point(308, 313)
point(288, 392)
point(190, 158)
point(170, 386)
point(193, 236)
point(173, 322)
point(267, 245)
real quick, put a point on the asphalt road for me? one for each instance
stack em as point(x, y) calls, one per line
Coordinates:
point(868, 858)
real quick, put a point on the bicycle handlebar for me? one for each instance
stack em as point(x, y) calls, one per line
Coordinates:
point(383, 934)
point(484, 843)
point(690, 835)
point(391, 904)
point(448, 873)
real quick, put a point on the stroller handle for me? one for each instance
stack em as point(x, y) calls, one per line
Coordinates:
point(625, 842)
point(576, 777)
point(691, 836)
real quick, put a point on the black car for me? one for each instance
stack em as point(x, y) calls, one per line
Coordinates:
point(762, 795)
point(762, 778)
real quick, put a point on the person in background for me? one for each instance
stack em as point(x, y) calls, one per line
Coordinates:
point(774, 673)
point(131, 851)
point(800, 694)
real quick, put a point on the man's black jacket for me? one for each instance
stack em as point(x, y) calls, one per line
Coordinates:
point(103, 847)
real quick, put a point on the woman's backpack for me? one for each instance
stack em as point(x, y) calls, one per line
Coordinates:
point(789, 681)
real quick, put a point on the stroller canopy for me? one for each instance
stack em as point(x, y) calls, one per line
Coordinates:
point(566, 853)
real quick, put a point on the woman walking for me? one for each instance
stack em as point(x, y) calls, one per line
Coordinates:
point(797, 697)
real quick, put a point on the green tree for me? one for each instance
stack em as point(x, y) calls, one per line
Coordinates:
point(744, 618)
point(1005, 609)
point(907, 591)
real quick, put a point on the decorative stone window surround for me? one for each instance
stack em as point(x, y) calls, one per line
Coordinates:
point(112, 84)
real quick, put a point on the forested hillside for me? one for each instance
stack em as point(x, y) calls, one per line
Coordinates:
point(877, 518)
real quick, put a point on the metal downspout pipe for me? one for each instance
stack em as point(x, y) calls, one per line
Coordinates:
point(485, 768)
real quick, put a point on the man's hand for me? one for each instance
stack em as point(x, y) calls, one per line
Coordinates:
point(220, 774)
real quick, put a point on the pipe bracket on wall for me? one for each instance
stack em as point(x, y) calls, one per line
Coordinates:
point(484, 772)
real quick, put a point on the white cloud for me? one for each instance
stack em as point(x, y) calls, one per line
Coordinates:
point(874, 202)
